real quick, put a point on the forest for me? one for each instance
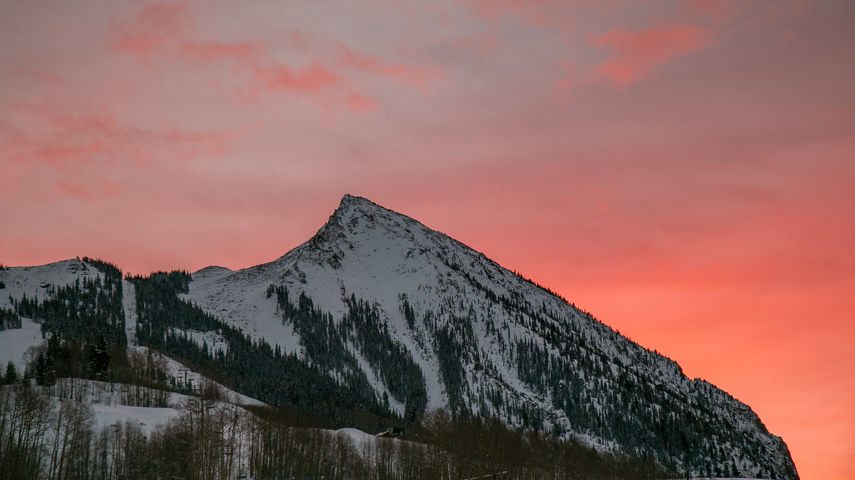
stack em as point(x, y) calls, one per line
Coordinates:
point(48, 426)
point(42, 437)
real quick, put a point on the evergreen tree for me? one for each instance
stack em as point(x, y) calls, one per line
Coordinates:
point(44, 373)
point(99, 359)
point(11, 375)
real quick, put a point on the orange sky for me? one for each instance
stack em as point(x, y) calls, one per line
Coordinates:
point(682, 169)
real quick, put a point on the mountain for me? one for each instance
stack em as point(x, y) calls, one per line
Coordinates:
point(378, 313)
point(486, 342)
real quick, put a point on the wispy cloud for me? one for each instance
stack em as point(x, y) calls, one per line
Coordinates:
point(155, 26)
point(637, 53)
point(373, 64)
point(75, 146)
point(165, 32)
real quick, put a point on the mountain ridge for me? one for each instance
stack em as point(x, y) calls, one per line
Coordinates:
point(377, 254)
point(420, 321)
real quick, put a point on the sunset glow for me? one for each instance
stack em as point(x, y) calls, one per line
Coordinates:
point(685, 171)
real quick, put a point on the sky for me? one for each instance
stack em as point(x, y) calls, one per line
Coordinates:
point(684, 170)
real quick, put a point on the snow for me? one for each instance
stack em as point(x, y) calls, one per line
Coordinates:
point(357, 436)
point(214, 340)
point(129, 303)
point(367, 444)
point(248, 309)
point(378, 256)
point(146, 417)
point(108, 401)
point(14, 344)
point(377, 384)
point(179, 373)
point(33, 281)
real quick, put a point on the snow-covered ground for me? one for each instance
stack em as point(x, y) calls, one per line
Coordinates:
point(146, 417)
point(15, 342)
point(34, 281)
point(215, 342)
point(129, 304)
point(194, 379)
point(357, 436)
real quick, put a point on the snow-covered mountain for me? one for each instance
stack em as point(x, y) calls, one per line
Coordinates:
point(488, 342)
point(402, 319)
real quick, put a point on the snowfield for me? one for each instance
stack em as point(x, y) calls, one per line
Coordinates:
point(147, 418)
point(15, 343)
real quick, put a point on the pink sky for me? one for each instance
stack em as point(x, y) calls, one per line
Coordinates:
point(685, 170)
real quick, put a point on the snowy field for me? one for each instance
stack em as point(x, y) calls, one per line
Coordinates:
point(15, 342)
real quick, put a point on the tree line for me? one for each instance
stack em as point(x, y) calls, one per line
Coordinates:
point(45, 438)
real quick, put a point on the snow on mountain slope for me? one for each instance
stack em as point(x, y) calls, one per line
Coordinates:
point(261, 318)
point(15, 342)
point(193, 380)
point(34, 281)
point(129, 304)
point(422, 321)
point(147, 418)
point(490, 343)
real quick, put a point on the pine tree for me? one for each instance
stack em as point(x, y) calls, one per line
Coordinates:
point(99, 358)
point(44, 370)
point(11, 375)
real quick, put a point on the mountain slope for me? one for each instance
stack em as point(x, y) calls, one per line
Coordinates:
point(63, 330)
point(376, 298)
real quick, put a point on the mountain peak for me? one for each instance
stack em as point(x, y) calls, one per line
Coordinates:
point(349, 199)
point(353, 203)
point(412, 315)
point(355, 215)
point(358, 228)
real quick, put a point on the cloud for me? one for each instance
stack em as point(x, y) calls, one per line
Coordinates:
point(539, 13)
point(89, 190)
point(93, 156)
point(356, 60)
point(212, 51)
point(636, 54)
point(165, 31)
point(312, 78)
point(48, 135)
point(59, 154)
point(359, 103)
point(714, 9)
point(156, 25)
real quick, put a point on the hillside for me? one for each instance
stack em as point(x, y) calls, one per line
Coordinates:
point(378, 320)
point(474, 337)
